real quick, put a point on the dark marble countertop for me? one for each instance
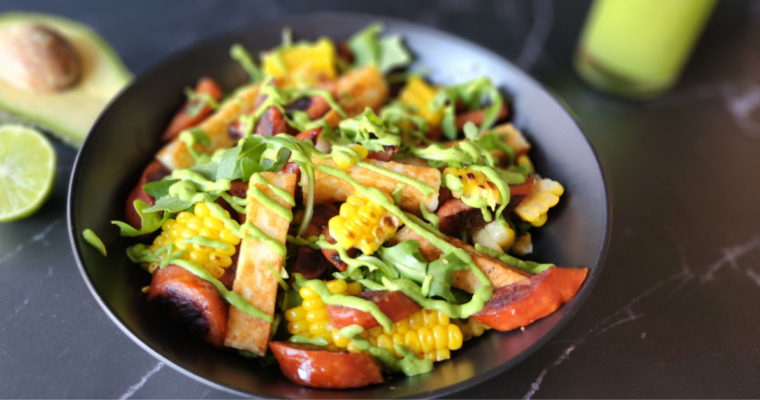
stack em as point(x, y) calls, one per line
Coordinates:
point(673, 314)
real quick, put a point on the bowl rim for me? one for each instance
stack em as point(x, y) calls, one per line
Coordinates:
point(291, 20)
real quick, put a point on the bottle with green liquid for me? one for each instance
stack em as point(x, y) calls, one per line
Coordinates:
point(637, 48)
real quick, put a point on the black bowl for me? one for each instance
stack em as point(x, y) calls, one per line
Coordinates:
point(125, 138)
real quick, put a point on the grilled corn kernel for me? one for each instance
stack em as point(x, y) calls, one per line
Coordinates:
point(412, 341)
point(317, 327)
point(442, 354)
point(418, 94)
point(402, 326)
point(441, 337)
point(376, 331)
point(298, 327)
point(339, 340)
point(352, 348)
point(344, 159)
point(544, 194)
point(353, 288)
point(455, 337)
point(385, 342)
point(313, 304)
point(427, 341)
point(308, 293)
point(295, 314)
point(523, 245)
point(336, 286)
point(362, 224)
point(317, 315)
point(302, 63)
point(416, 321)
point(496, 235)
point(430, 317)
point(476, 190)
point(190, 224)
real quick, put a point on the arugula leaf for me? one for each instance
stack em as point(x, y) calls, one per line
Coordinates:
point(407, 259)
point(441, 270)
point(368, 130)
point(471, 94)
point(386, 53)
point(158, 189)
point(169, 204)
point(208, 170)
point(228, 165)
point(150, 221)
point(241, 55)
point(249, 167)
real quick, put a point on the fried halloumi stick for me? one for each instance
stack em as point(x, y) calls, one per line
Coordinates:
point(330, 189)
point(174, 155)
point(514, 139)
point(499, 273)
point(361, 88)
point(254, 279)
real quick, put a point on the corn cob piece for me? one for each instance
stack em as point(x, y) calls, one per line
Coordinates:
point(496, 235)
point(200, 222)
point(476, 187)
point(302, 64)
point(345, 161)
point(470, 328)
point(543, 195)
point(418, 94)
point(523, 245)
point(430, 334)
point(514, 139)
point(363, 224)
point(257, 264)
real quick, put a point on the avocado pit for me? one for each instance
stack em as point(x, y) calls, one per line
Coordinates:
point(37, 58)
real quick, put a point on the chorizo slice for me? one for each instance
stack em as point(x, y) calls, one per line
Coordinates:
point(183, 119)
point(317, 367)
point(190, 302)
point(332, 255)
point(309, 262)
point(271, 123)
point(521, 303)
point(385, 155)
point(395, 305)
point(155, 171)
point(455, 217)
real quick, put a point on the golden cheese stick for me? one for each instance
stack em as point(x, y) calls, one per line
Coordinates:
point(330, 189)
point(174, 155)
point(361, 88)
point(499, 273)
point(254, 279)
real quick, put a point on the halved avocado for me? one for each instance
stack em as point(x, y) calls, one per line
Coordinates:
point(68, 114)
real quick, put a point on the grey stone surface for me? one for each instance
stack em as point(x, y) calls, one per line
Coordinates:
point(674, 312)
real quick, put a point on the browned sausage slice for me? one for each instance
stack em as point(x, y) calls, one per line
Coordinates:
point(317, 367)
point(271, 123)
point(190, 302)
point(395, 305)
point(155, 171)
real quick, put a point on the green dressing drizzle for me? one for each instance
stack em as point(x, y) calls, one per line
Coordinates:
point(94, 241)
point(206, 242)
point(410, 365)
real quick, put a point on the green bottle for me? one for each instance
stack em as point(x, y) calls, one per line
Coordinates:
point(637, 48)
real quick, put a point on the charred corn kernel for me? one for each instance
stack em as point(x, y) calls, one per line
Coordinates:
point(544, 194)
point(295, 314)
point(523, 245)
point(339, 340)
point(308, 293)
point(353, 288)
point(402, 326)
point(313, 304)
point(475, 328)
point(430, 317)
point(318, 327)
point(463, 329)
point(362, 224)
point(476, 188)
point(416, 321)
point(376, 331)
point(201, 210)
point(441, 337)
point(298, 327)
point(317, 315)
point(412, 341)
point(442, 354)
point(427, 341)
point(301, 64)
point(455, 337)
point(337, 286)
point(352, 348)
point(495, 234)
point(188, 225)
point(418, 94)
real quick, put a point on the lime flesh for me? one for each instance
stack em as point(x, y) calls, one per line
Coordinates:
point(27, 171)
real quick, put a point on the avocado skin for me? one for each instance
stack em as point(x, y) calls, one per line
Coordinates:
point(67, 115)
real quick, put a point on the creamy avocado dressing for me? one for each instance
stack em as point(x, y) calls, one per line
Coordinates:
point(207, 242)
point(317, 341)
point(246, 231)
point(410, 365)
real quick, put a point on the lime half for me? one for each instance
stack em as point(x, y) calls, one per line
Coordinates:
point(27, 171)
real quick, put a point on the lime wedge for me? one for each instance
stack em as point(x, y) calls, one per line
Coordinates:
point(27, 171)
